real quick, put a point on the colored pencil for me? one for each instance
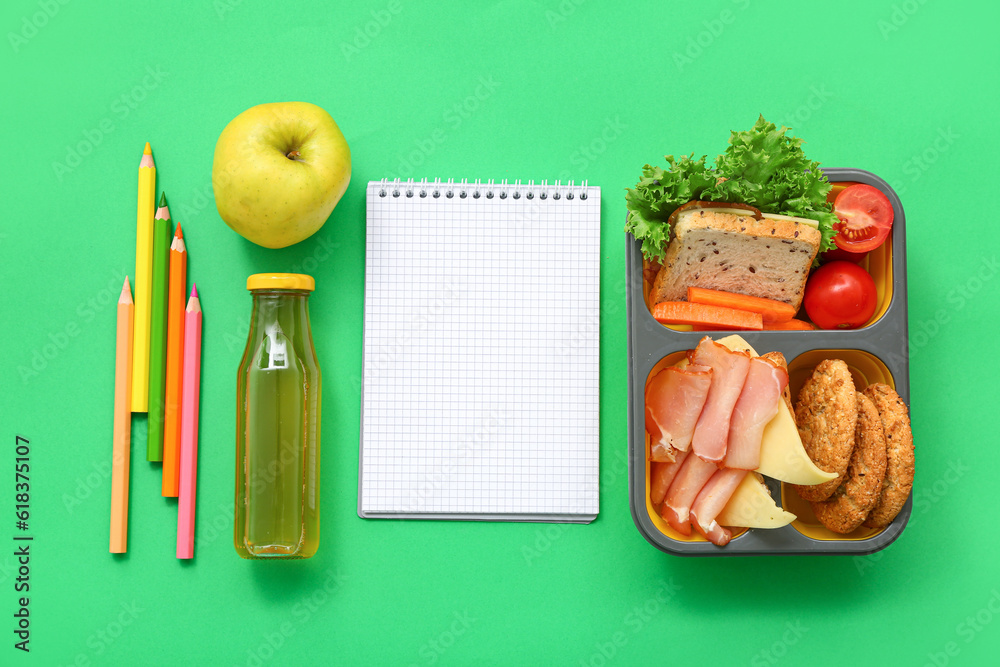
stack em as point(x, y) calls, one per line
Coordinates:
point(123, 422)
point(158, 330)
point(143, 271)
point(175, 357)
point(189, 426)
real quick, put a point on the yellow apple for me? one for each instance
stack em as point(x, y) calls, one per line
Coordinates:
point(279, 170)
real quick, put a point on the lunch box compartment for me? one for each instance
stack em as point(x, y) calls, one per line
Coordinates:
point(866, 369)
point(876, 353)
point(652, 514)
point(878, 263)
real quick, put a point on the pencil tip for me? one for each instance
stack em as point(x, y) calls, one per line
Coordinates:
point(163, 199)
point(127, 285)
point(194, 290)
point(147, 159)
point(177, 232)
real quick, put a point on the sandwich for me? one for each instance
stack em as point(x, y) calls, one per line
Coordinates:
point(737, 250)
point(752, 223)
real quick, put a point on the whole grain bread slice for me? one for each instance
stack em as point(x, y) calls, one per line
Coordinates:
point(765, 258)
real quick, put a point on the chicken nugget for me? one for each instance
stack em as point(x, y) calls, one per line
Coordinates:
point(899, 454)
point(826, 414)
point(850, 504)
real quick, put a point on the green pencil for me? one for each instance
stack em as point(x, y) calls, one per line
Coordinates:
point(158, 330)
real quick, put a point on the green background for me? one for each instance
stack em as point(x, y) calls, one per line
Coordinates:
point(578, 90)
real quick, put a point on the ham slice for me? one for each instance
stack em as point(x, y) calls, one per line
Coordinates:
point(674, 400)
point(661, 475)
point(729, 371)
point(689, 480)
point(757, 405)
point(711, 501)
point(651, 427)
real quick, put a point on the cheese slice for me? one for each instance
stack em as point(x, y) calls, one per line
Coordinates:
point(753, 507)
point(689, 212)
point(736, 343)
point(791, 218)
point(782, 455)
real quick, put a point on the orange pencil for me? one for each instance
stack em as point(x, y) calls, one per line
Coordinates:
point(175, 357)
point(123, 422)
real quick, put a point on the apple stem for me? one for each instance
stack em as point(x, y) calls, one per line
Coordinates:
point(292, 155)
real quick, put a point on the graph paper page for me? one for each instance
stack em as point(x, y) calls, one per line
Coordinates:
point(481, 350)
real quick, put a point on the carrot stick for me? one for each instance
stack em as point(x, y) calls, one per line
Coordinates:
point(771, 311)
point(717, 327)
point(790, 325)
point(685, 312)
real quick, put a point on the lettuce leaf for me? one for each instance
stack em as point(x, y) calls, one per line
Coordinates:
point(658, 194)
point(762, 167)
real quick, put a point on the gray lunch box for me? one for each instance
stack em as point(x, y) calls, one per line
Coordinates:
point(878, 352)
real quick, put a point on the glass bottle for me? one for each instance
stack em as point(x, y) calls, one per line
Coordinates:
point(277, 423)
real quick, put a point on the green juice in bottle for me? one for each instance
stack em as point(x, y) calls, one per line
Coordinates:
point(277, 424)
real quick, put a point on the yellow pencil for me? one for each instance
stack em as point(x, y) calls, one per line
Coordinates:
point(123, 423)
point(143, 280)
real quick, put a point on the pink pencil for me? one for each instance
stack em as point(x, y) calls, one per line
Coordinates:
point(191, 375)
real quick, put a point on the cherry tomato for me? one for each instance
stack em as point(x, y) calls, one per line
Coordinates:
point(840, 295)
point(865, 218)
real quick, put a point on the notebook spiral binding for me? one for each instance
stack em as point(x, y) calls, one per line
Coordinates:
point(477, 190)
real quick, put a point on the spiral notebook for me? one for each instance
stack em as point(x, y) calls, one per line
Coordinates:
point(481, 349)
